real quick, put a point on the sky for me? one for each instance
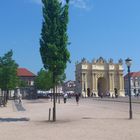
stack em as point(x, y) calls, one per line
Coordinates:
point(107, 28)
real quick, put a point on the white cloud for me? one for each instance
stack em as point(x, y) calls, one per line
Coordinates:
point(82, 4)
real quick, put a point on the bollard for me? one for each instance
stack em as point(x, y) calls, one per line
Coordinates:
point(49, 114)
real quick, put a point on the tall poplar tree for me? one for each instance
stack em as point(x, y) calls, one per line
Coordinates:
point(54, 40)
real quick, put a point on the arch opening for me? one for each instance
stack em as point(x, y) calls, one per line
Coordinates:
point(102, 87)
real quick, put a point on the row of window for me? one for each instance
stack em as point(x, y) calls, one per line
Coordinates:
point(135, 83)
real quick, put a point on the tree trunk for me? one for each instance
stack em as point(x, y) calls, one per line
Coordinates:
point(54, 101)
point(56, 94)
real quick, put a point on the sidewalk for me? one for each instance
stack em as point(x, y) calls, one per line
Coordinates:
point(90, 120)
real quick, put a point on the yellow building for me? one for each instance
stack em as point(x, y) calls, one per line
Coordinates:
point(99, 77)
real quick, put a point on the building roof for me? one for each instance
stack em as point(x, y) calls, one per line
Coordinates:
point(24, 72)
point(133, 74)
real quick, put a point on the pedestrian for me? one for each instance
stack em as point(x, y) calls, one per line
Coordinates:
point(101, 95)
point(19, 98)
point(116, 92)
point(92, 94)
point(137, 95)
point(65, 97)
point(77, 98)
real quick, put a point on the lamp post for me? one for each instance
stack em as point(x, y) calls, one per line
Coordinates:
point(128, 62)
point(85, 89)
point(84, 84)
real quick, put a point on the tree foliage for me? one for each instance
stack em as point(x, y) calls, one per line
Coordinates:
point(8, 72)
point(43, 80)
point(54, 38)
point(22, 83)
point(61, 78)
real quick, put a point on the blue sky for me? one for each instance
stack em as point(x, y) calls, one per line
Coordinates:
point(107, 28)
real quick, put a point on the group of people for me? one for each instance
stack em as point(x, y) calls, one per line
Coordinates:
point(77, 95)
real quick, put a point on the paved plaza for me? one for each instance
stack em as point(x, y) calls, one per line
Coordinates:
point(92, 119)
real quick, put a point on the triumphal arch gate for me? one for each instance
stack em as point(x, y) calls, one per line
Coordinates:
point(99, 78)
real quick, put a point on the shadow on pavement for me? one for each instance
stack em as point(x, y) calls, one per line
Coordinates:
point(19, 106)
point(13, 119)
point(93, 118)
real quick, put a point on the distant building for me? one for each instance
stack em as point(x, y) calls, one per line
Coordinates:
point(28, 77)
point(58, 89)
point(29, 90)
point(99, 77)
point(134, 81)
point(69, 87)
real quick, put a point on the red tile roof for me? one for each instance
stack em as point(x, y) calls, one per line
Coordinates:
point(134, 74)
point(24, 72)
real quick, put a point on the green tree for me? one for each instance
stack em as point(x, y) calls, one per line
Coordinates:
point(21, 83)
point(54, 40)
point(8, 72)
point(61, 78)
point(43, 80)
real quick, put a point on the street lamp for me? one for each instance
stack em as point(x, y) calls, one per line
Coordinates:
point(84, 84)
point(85, 89)
point(128, 62)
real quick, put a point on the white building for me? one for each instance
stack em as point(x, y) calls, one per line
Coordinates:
point(135, 83)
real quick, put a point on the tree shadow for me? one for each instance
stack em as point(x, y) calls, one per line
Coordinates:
point(109, 118)
point(13, 119)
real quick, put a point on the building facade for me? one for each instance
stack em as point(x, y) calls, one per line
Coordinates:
point(27, 91)
point(99, 77)
point(134, 82)
point(27, 77)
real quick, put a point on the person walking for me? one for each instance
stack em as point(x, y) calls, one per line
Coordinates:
point(77, 98)
point(65, 97)
point(20, 98)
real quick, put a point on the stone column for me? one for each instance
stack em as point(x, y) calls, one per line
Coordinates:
point(96, 85)
point(120, 81)
point(94, 79)
point(121, 85)
point(111, 84)
point(84, 84)
point(93, 87)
